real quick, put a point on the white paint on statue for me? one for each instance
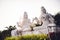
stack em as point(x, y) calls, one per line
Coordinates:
point(24, 25)
point(46, 17)
point(26, 22)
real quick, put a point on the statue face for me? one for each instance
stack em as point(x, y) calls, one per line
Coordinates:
point(25, 15)
point(43, 10)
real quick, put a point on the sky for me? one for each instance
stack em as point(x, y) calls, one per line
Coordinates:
point(11, 11)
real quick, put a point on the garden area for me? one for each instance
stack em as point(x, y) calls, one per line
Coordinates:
point(29, 37)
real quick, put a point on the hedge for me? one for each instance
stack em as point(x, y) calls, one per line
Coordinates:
point(29, 37)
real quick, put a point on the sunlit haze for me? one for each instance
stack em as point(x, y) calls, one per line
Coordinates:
point(11, 11)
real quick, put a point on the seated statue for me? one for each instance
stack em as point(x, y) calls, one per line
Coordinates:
point(25, 23)
point(45, 17)
point(26, 27)
point(23, 26)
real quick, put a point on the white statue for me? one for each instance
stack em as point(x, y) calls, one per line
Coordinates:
point(25, 26)
point(45, 17)
point(22, 27)
point(25, 23)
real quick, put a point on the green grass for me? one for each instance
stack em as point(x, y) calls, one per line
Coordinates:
point(29, 37)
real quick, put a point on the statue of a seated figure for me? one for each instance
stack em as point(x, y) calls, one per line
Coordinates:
point(25, 23)
point(45, 17)
point(23, 26)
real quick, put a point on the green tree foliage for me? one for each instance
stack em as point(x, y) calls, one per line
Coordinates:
point(57, 18)
point(6, 33)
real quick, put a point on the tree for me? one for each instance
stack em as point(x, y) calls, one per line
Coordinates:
point(57, 18)
point(6, 33)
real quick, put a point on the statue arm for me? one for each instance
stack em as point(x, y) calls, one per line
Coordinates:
point(19, 24)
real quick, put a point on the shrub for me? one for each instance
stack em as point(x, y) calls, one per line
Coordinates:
point(29, 37)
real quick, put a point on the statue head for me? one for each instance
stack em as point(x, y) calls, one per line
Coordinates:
point(25, 15)
point(43, 10)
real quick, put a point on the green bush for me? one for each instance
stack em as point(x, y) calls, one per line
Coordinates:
point(29, 37)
